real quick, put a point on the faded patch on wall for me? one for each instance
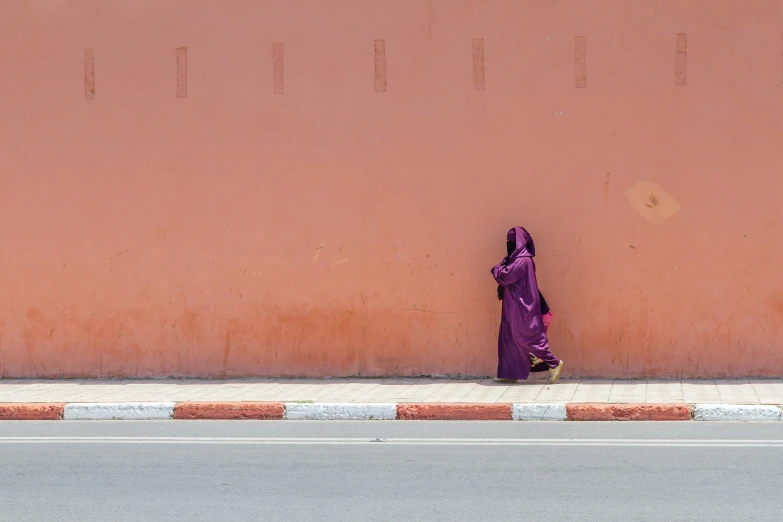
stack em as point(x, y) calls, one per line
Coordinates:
point(277, 67)
point(652, 202)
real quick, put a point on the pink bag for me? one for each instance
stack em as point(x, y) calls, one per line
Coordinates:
point(547, 320)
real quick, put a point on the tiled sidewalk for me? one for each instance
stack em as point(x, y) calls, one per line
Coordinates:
point(756, 391)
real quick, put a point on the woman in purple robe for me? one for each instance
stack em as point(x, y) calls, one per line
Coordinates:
point(522, 337)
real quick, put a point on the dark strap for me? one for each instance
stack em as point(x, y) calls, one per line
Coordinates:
point(544, 305)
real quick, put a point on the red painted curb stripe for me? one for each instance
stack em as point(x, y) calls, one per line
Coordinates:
point(413, 411)
point(31, 411)
point(629, 412)
point(453, 411)
point(229, 410)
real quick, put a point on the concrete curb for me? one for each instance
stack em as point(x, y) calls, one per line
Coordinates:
point(628, 412)
point(736, 412)
point(389, 411)
point(23, 411)
point(453, 411)
point(118, 411)
point(229, 410)
point(342, 411)
point(538, 412)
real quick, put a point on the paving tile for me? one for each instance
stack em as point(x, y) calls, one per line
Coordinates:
point(768, 391)
point(315, 392)
point(563, 391)
point(517, 393)
point(421, 391)
point(454, 391)
point(24, 391)
point(193, 392)
point(700, 392)
point(630, 392)
point(7, 390)
point(348, 392)
point(737, 392)
point(664, 392)
point(386, 391)
point(486, 391)
point(291, 392)
point(593, 391)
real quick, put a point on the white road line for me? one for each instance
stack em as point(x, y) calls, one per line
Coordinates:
point(723, 443)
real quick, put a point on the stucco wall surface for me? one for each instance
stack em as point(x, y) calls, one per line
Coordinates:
point(275, 188)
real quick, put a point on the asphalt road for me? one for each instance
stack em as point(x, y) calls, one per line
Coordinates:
point(337, 471)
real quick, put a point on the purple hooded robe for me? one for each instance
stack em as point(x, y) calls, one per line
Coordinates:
point(521, 326)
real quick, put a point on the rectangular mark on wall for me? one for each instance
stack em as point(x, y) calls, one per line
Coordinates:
point(479, 74)
point(182, 72)
point(277, 67)
point(89, 74)
point(380, 65)
point(580, 62)
point(681, 60)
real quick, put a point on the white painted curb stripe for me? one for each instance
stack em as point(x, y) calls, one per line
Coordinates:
point(388, 411)
point(344, 411)
point(736, 412)
point(538, 412)
point(118, 411)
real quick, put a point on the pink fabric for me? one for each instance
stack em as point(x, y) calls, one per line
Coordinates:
point(547, 318)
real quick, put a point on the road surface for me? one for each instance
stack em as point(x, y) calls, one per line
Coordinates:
point(366, 471)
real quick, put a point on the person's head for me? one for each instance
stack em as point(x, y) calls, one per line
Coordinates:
point(519, 243)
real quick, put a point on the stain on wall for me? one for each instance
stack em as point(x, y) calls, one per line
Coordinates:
point(580, 62)
point(652, 202)
point(681, 60)
point(182, 72)
point(277, 67)
point(380, 66)
point(89, 74)
point(479, 73)
point(145, 236)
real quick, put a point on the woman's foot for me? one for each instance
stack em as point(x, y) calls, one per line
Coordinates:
point(507, 381)
point(534, 361)
point(554, 373)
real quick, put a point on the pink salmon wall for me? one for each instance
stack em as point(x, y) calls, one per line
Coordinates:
point(312, 188)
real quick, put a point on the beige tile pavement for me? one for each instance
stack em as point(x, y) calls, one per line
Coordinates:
point(694, 392)
point(740, 391)
point(593, 391)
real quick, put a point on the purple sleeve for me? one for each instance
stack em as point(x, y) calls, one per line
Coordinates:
point(508, 273)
